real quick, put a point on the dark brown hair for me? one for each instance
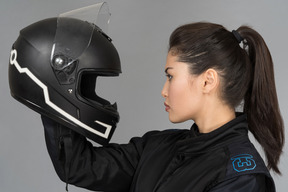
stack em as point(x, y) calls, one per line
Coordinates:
point(246, 75)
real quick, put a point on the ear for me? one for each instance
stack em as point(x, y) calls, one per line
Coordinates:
point(210, 81)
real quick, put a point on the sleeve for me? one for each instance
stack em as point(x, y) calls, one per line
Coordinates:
point(244, 183)
point(110, 168)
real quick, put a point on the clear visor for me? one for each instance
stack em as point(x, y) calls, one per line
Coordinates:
point(98, 14)
point(67, 48)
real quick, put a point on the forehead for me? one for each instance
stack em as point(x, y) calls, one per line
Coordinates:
point(172, 62)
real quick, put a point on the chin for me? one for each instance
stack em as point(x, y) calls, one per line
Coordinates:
point(176, 120)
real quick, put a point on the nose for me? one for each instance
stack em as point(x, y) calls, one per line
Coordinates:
point(164, 90)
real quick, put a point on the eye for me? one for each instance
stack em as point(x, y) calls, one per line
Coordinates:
point(169, 76)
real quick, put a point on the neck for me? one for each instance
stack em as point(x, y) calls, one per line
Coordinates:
point(214, 117)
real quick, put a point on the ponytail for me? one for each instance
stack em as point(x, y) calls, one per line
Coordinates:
point(260, 101)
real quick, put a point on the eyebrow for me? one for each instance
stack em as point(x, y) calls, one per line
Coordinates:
point(168, 69)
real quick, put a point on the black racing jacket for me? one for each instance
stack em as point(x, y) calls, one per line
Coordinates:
point(162, 161)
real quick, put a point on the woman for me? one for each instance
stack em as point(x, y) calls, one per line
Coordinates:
point(208, 75)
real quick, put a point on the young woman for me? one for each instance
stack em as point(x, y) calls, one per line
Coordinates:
point(210, 71)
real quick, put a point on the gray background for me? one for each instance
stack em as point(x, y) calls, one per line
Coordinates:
point(140, 31)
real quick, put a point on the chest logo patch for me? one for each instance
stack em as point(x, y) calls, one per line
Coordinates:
point(243, 162)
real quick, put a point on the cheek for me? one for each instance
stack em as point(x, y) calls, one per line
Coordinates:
point(179, 94)
point(181, 104)
point(175, 92)
point(186, 98)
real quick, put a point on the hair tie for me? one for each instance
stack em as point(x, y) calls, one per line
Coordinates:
point(237, 36)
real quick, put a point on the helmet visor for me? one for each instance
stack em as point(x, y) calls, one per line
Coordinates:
point(67, 48)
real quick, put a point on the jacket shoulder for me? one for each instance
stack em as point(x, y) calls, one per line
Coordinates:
point(156, 137)
point(244, 160)
point(162, 134)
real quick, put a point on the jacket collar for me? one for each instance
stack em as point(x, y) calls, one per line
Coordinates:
point(200, 142)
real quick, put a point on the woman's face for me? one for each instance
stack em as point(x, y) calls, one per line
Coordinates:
point(182, 91)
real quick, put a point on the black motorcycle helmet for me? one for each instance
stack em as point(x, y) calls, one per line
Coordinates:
point(53, 68)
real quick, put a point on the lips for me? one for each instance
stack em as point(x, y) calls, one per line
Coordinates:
point(167, 107)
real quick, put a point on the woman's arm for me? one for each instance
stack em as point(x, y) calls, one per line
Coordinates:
point(108, 168)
